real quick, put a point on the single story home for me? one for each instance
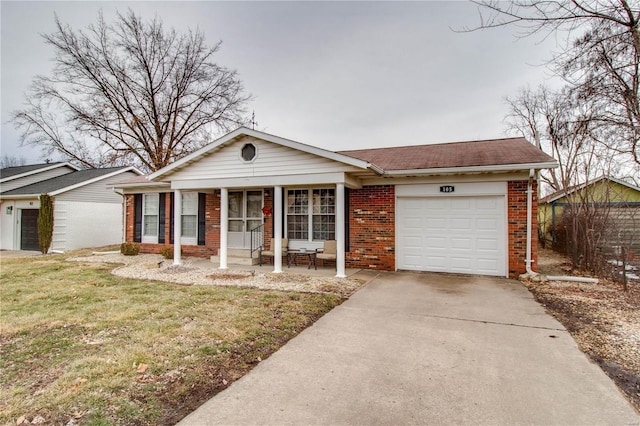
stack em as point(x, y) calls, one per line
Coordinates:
point(468, 207)
point(615, 201)
point(87, 211)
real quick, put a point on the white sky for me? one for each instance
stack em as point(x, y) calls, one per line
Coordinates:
point(337, 75)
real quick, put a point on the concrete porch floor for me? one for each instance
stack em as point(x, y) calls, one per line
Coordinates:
point(322, 271)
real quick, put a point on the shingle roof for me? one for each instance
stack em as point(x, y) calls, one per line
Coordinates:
point(18, 170)
point(61, 182)
point(458, 154)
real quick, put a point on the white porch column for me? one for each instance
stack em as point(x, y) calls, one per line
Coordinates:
point(340, 237)
point(177, 226)
point(277, 229)
point(224, 226)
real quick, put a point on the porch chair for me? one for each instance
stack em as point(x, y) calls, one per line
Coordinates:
point(328, 252)
point(269, 253)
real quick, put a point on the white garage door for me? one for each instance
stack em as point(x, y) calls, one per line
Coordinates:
point(452, 234)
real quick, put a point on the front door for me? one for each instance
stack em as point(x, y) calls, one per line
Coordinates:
point(29, 229)
point(245, 214)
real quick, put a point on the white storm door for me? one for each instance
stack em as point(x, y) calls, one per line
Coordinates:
point(245, 213)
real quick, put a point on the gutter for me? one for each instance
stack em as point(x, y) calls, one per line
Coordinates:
point(472, 169)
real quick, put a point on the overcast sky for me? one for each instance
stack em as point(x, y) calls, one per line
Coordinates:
point(337, 75)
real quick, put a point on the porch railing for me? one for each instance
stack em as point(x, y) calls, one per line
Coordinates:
point(257, 238)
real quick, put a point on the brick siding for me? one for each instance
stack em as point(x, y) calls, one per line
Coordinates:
point(212, 228)
point(517, 227)
point(372, 216)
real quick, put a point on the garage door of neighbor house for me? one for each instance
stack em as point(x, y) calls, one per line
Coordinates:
point(29, 230)
point(465, 234)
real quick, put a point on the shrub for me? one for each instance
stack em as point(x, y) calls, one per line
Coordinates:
point(167, 252)
point(130, 249)
point(45, 223)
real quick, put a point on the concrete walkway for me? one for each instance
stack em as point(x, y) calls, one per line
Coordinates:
point(417, 348)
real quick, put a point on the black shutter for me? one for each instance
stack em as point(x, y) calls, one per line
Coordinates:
point(346, 220)
point(137, 207)
point(172, 199)
point(161, 218)
point(202, 198)
point(284, 212)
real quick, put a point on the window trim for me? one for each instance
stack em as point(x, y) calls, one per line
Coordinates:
point(189, 241)
point(255, 155)
point(309, 213)
point(150, 239)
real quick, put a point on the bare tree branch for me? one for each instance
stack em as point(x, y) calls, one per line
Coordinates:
point(129, 92)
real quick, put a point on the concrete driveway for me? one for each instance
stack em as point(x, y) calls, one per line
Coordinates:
point(418, 348)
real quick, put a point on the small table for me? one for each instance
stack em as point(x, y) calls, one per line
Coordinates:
point(293, 255)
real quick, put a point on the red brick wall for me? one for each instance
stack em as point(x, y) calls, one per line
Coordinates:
point(212, 228)
point(372, 228)
point(517, 227)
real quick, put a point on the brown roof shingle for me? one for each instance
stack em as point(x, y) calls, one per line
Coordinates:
point(459, 154)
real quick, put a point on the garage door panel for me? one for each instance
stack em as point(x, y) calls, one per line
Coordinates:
point(487, 244)
point(434, 243)
point(461, 243)
point(452, 234)
point(461, 224)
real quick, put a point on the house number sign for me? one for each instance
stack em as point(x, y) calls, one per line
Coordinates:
point(447, 188)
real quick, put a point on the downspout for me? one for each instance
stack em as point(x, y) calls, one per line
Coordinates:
point(529, 259)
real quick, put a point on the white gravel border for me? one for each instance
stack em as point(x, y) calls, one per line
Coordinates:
point(156, 268)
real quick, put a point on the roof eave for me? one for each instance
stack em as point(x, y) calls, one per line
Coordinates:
point(43, 169)
point(472, 169)
point(18, 196)
point(95, 179)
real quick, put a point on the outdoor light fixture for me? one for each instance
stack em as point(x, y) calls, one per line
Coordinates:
point(9, 209)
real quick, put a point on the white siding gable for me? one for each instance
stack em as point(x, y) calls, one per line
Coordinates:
point(271, 160)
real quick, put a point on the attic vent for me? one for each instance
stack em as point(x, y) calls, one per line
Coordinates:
point(248, 152)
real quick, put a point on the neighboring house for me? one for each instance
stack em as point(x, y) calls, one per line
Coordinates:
point(614, 199)
point(87, 211)
point(15, 177)
point(458, 207)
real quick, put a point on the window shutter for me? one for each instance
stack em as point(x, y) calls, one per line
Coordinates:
point(201, 218)
point(171, 218)
point(161, 217)
point(346, 220)
point(137, 227)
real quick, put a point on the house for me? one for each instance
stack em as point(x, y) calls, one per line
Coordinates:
point(458, 207)
point(614, 199)
point(87, 211)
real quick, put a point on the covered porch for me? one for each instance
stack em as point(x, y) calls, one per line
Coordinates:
point(304, 211)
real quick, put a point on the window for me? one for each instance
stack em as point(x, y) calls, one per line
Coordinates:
point(298, 214)
point(324, 214)
point(311, 209)
point(150, 210)
point(248, 152)
point(189, 218)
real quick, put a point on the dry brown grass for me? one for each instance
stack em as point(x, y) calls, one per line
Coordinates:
point(79, 343)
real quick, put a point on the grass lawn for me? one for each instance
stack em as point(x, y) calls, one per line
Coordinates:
point(81, 346)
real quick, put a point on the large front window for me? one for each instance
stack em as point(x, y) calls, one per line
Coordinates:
point(311, 209)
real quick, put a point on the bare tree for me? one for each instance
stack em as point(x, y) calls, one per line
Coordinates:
point(601, 63)
point(129, 92)
point(11, 161)
point(563, 127)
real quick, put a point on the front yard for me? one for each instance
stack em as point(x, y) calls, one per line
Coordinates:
point(81, 346)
